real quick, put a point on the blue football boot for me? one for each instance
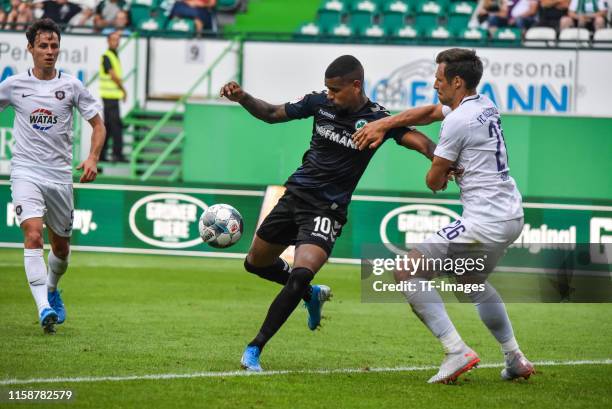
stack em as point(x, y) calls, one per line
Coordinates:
point(48, 319)
point(55, 301)
point(320, 294)
point(250, 359)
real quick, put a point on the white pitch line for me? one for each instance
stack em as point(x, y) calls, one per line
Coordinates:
point(233, 374)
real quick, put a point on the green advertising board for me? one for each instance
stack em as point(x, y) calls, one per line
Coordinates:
point(142, 219)
point(405, 220)
point(163, 220)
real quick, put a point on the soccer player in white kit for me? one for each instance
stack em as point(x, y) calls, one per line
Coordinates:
point(41, 167)
point(471, 140)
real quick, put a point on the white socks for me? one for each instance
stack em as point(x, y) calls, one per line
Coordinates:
point(57, 268)
point(36, 272)
point(510, 346)
point(429, 307)
point(493, 314)
point(452, 342)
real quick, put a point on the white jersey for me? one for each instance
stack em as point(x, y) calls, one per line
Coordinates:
point(43, 123)
point(472, 136)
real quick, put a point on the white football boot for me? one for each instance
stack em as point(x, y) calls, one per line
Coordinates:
point(517, 366)
point(454, 365)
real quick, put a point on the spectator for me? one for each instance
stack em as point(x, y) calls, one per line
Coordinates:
point(60, 11)
point(522, 13)
point(493, 13)
point(121, 23)
point(551, 12)
point(106, 13)
point(16, 16)
point(513, 13)
point(590, 14)
point(112, 91)
point(84, 18)
point(201, 11)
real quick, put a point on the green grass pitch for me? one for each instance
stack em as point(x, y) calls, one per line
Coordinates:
point(142, 316)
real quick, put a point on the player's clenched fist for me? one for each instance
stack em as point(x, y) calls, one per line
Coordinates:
point(232, 91)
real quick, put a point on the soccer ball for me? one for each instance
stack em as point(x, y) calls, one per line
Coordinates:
point(220, 226)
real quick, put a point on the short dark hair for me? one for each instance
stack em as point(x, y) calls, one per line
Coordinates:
point(461, 63)
point(346, 67)
point(41, 26)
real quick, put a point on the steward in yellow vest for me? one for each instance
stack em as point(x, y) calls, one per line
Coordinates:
point(112, 91)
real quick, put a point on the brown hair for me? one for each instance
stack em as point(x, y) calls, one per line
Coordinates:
point(42, 25)
point(461, 63)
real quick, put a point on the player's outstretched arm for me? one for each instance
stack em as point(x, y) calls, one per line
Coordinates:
point(90, 165)
point(258, 108)
point(372, 134)
point(419, 142)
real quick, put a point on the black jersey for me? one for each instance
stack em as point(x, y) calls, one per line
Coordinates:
point(332, 166)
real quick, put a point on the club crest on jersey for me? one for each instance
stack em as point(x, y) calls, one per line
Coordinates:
point(60, 95)
point(42, 119)
point(360, 124)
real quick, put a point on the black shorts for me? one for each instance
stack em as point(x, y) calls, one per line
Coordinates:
point(293, 221)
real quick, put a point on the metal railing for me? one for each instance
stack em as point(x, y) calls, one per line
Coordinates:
point(135, 157)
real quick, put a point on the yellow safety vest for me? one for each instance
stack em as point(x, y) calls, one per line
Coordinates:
point(108, 88)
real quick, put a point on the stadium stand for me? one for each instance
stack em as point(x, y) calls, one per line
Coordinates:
point(426, 21)
point(406, 32)
point(362, 16)
point(574, 37)
point(427, 15)
point(459, 16)
point(309, 29)
point(471, 36)
point(394, 16)
point(381, 21)
point(602, 38)
point(374, 31)
point(540, 37)
point(181, 26)
point(328, 19)
point(508, 36)
point(342, 30)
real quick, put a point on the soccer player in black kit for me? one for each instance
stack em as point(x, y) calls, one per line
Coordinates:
point(311, 213)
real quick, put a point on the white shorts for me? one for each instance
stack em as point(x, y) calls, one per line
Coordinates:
point(468, 238)
point(51, 201)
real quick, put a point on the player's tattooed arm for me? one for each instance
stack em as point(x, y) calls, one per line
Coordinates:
point(419, 142)
point(372, 134)
point(90, 165)
point(258, 108)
